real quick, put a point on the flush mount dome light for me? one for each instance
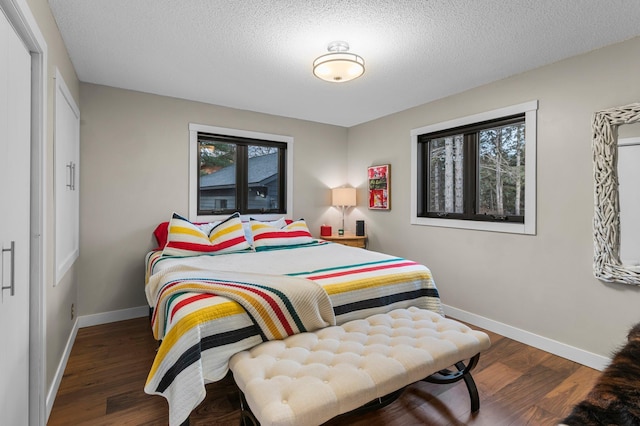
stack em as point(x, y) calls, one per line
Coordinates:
point(339, 66)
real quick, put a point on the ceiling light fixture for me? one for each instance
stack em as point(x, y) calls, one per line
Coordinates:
point(338, 66)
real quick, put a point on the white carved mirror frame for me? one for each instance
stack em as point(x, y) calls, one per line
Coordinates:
point(607, 265)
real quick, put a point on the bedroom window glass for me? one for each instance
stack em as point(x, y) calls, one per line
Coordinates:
point(477, 172)
point(240, 174)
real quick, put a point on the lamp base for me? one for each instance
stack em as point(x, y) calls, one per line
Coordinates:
point(341, 232)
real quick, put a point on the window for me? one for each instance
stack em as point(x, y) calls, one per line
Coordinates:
point(477, 172)
point(234, 170)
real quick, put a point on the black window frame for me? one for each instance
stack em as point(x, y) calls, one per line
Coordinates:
point(471, 158)
point(242, 173)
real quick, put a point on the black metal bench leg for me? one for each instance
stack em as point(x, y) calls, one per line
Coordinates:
point(463, 373)
point(473, 392)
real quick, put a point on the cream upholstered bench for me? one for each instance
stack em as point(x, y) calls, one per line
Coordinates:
point(309, 378)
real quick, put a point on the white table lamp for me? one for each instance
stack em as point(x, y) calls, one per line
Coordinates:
point(343, 198)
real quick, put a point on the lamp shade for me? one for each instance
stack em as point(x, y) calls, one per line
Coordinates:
point(343, 197)
point(339, 66)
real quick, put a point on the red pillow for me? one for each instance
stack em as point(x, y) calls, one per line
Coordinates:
point(161, 233)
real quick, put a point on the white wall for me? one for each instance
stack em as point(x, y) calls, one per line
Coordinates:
point(542, 284)
point(134, 158)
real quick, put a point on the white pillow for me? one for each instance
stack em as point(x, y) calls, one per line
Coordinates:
point(207, 227)
point(248, 234)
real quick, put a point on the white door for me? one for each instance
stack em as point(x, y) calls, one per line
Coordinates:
point(66, 183)
point(15, 105)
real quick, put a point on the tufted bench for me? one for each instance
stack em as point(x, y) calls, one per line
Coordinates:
point(309, 378)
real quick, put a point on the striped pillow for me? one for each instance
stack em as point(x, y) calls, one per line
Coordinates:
point(266, 236)
point(187, 239)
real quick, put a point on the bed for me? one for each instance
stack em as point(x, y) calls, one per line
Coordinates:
point(197, 290)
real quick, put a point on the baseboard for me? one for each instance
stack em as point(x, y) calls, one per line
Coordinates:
point(563, 350)
point(57, 378)
point(113, 316)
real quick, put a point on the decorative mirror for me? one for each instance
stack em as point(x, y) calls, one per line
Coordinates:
point(607, 263)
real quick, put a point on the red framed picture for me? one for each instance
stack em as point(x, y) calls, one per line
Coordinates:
point(379, 183)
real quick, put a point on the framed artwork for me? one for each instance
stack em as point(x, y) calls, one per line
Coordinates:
point(379, 183)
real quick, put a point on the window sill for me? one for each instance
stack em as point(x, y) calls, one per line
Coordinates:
point(510, 228)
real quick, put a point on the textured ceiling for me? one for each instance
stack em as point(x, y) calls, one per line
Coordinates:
point(257, 55)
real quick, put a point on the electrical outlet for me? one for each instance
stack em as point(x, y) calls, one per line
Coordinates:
point(73, 311)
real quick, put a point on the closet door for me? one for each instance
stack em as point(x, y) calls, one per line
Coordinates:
point(67, 178)
point(15, 172)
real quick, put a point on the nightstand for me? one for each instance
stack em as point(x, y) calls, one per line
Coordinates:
point(348, 240)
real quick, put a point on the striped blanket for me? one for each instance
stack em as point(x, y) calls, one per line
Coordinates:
point(279, 305)
point(203, 330)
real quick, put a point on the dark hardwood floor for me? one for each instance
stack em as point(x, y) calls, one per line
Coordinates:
point(519, 385)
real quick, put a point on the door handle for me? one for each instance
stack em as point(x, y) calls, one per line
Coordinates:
point(12, 250)
point(72, 176)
